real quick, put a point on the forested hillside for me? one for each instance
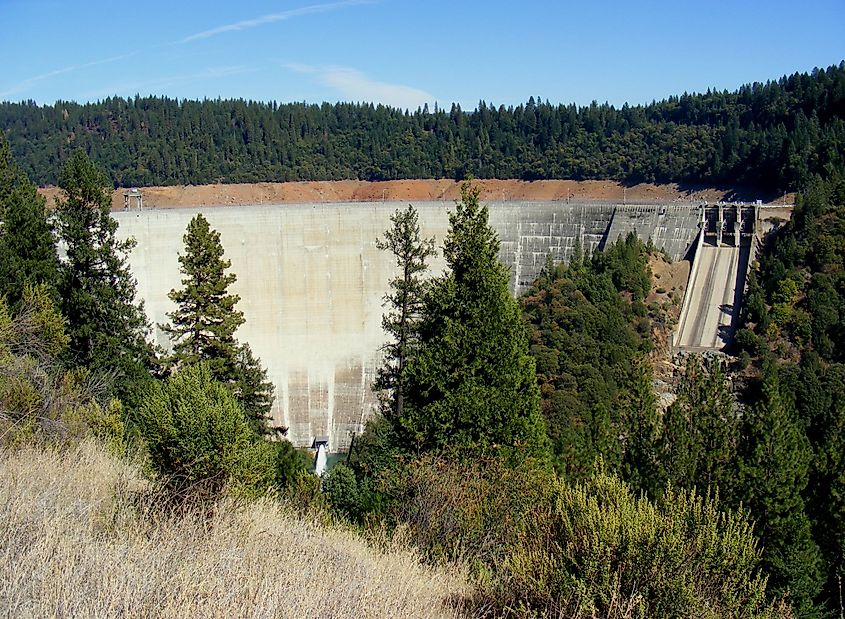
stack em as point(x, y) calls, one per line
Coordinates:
point(772, 136)
point(772, 445)
point(795, 323)
point(590, 332)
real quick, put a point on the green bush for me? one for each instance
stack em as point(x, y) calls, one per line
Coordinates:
point(474, 513)
point(289, 463)
point(199, 439)
point(748, 341)
point(41, 400)
point(596, 549)
point(341, 489)
point(537, 545)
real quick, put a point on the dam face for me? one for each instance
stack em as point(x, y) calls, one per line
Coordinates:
point(311, 282)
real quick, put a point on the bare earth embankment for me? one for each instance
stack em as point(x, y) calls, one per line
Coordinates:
point(410, 190)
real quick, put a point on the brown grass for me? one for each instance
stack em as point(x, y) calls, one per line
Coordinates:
point(75, 540)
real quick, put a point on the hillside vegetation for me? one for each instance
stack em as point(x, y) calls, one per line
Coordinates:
point(795, 332)
point(82, 537)
point(772, 136)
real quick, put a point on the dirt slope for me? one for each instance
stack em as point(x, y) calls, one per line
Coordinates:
point(419, 190)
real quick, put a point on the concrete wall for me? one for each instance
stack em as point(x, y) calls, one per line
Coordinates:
point(672, 227)
point(311, 283)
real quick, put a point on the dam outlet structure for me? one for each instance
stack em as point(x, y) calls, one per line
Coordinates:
point(312, 283)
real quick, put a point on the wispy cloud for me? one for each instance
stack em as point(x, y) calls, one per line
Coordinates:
point(356, 86)
point(26, 84)
point(148, 86)
point(274, 17)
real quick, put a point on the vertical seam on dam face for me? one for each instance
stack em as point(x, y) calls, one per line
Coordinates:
point(311, 283)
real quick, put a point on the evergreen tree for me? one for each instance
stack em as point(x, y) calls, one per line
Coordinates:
point(828, 505)
point(820, 397)
point(640, 426)
point(107, 328)
point(27, 247)
point(700, 434)
point(253, 389)
point(472, 384)
point(773, 472)
point(205, 320)
point(405, 303)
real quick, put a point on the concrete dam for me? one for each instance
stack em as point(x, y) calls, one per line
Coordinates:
point(311, 282)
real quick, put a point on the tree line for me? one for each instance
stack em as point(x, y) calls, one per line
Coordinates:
point(771, 136)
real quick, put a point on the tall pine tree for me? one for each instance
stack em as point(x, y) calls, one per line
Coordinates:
point(774, 467)
point(107, 328)
point(205, 320)
point(405, 304)
point(472, 385)
point(701, 431)
point(639, 422)
point(27, 246)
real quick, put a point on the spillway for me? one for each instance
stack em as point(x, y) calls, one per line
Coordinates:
point(311, 282)
point(712, 305)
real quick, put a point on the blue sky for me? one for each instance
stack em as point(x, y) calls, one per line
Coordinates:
point(406, 52)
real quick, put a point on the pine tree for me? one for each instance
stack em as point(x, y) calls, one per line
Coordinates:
point(700, 435)
point(204, 323)
point(405, 303)
point(472, 385)
point(253, 389)
point(205, 320)
point(820, 396)
point(27, 247)
point(107, 328)
point(639, 425)
point(773, 473)
point(828, 503)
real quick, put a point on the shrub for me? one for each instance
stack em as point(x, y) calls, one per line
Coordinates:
point(289, 463)
point(539, 546)
point(470, 512)
point(597, 550)
point(199, 439)
point(746, 340)
point(341, 488)
point(39, 399)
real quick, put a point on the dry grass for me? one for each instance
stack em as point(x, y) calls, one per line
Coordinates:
point(74, 543)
